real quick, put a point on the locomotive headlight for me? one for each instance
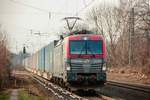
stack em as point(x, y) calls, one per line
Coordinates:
point(104, 67)
point(85, 38)
point(68, 67)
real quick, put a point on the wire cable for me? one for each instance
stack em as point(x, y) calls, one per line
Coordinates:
point(37, 8)
point(86, 5)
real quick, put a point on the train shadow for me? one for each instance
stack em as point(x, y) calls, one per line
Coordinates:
point(86, 93)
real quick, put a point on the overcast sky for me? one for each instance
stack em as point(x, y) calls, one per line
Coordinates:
point(18, 17)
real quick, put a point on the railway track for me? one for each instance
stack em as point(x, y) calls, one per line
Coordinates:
point(60, 93)
point(135, 87)
point(63, 94)
point(112, 89)
point(118, 90)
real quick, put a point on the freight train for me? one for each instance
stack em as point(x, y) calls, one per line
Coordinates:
point(78, 59)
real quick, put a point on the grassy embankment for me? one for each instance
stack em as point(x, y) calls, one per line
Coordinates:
point(24, 95)
point(4, 95)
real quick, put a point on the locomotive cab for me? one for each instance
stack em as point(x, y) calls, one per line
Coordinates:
point(86, 60)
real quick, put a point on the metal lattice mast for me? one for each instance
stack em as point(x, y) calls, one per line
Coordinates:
point(131, 35)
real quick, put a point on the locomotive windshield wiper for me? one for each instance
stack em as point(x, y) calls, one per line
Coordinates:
point(88, 48)
point(84, 47)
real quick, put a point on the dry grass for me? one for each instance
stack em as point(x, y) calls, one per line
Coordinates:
point(4, 95)
point(130, 74)
point(24, 95)
point(30, 88)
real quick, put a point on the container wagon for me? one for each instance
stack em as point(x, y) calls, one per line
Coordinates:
point(78, 59)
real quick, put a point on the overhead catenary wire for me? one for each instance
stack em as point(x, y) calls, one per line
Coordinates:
point(52, 12)
point(27, 5)
point(85, 6)
point(38, 9)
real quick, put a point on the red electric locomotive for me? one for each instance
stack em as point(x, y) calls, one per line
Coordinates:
point(78, 59)
point(81, 59)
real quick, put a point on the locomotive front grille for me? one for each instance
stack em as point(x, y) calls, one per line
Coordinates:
point(86, 65)
point(86, 68)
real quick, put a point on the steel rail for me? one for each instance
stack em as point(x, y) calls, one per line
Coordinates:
point(136, 87)
point(59, 92)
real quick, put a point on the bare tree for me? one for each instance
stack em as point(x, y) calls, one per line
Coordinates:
point(108, 23)
point(4, 59)
point(116, 23)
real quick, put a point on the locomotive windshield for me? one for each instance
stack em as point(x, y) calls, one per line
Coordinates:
point(86, 47)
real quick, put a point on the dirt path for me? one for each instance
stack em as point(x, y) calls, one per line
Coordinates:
point(14, 95)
